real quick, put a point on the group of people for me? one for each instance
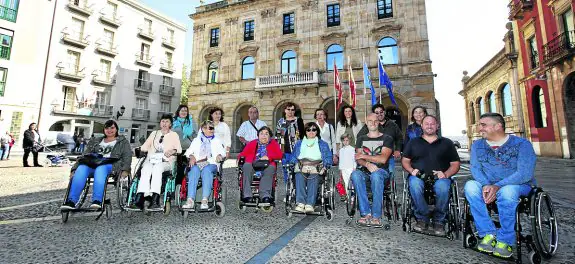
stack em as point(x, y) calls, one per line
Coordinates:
point(6, 144)
point(502, 165)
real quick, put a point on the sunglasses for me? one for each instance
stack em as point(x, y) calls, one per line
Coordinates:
point(290, 109)
point(210, 128)
point(161, 139)
point(311, 130)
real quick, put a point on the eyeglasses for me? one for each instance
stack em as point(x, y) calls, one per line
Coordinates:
point(379, 113)
point(290, 109)
point(161, 139)
point(311, 130)
point(210, 128)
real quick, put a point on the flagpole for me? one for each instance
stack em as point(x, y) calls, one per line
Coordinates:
point(335, 101)
point(364, 88)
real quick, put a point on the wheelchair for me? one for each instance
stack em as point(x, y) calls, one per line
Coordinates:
point(266, 208)
point(390, 206)
point(453, 223)
point(325, 197)
point(538, 208)
point(216, 200)
point(128, 188)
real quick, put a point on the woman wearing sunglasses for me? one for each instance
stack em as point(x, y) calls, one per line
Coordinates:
point(205, 152)
point(162, 147)
point(309, 152)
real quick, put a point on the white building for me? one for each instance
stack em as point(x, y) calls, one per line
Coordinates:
point(107, 59)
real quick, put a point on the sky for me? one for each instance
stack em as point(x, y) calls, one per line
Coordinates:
point(463, 35)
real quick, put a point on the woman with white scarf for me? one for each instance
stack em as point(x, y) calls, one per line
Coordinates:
point(205, 152)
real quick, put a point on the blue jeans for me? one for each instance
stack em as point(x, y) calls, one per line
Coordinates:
point(378, 179)
point(207, 174)
point(441, 188)
point(306, 188)
point(391, 164)
point(4, 151)
point(285, 161)
point(506, 201)
point(79, 181)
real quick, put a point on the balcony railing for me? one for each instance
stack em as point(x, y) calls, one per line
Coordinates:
point(107, 49)
point(161, 113)
point(70, 71)
point(102, 110)
point(518, 7)
point(75, 38)
point(167, 90)
point(144, 59)
point(559, 48)
point(102, 78)
point(143, 85)
point(140, 114)
point(288, 79)
point(2, 87)
point(110, 18)
point(169, 42)
point(146, 33)
point(8, 14)
point(5, 52)
point(167, 66)
point(80, 6)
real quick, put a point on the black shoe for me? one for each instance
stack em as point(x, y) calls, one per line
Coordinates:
point(247, 200)
point(438, 229)
point(68, 205)
point(420, 226)
point(267, 200)
point(139, 201)
point(38, 165)
point(154, 201)
point(26, 165)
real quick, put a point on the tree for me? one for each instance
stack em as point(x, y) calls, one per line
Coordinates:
point(185, 85)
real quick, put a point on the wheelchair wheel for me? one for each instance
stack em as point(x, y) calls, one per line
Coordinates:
point(84, 194)
point(242, 207)
point(220, 209)
point(167, 208)
point(65, 215)
point(122, 191)
point(185, 214)
point(108, 210)
point(177, 197)
point(455, 222)
point(351, 202)
point(330, 191)
point(544, 225)
point(470, 241)
point(265, 209)
point(329, 215)
point(534, 257)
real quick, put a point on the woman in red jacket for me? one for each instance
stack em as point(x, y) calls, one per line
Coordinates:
point(265, 148)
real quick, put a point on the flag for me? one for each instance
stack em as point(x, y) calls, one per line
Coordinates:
point(367, 83)
point(385, 81)
point(352, 91)
point(337, 86)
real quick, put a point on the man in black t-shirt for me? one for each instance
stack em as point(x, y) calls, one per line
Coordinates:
point(430, 157)
point(372, 154)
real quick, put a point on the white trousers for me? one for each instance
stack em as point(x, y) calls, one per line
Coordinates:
point(151, 177)
point(346, 175)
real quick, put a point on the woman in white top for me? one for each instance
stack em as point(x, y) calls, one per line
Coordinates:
point(222, 130)
point(347, 122)
point(205, 152)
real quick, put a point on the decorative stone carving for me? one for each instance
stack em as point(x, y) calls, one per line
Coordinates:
point(334, 36)
point(387, 28)
point(199, 28)
point(213, 56)
point(288, 43)
point(230, 21)
point(248, 50)
point(311, 4)
point(268, 13)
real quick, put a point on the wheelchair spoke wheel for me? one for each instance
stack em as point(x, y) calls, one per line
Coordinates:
point(265, 209)
point(123, 189)
point(220, 209)
point(544, 225)
point(167, 208)
point(65, 215)
point(351, 202)
point(108, 210)
point(177, 197)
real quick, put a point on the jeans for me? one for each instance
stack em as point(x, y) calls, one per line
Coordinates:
point(266, 181)
point(207, 174)
point(306, 188)
point(285, 161)
point(391, 164)
point(4, 151)
point(81, 148)
point(79, 181)
point(378, 179)
point(507, 200)
point(441, 188)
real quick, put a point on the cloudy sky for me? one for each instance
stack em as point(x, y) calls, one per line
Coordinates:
point(463, 35)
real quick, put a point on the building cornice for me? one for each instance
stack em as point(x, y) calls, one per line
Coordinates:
point(148, 11)
point(497, 61)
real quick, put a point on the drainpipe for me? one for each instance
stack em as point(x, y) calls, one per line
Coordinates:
point(46, 65)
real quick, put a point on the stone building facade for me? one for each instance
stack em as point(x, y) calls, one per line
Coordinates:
point(268, 52)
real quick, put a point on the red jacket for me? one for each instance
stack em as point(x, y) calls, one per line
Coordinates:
point(273, 148)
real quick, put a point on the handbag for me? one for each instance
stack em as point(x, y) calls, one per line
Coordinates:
point(260, 165)
point(93, 160)
point(310, 166)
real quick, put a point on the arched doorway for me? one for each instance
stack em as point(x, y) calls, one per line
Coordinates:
point(328, 106)
point(204, 114)
point(240, 115)
point(569, 102)
point(397, 113)
point(279, 112)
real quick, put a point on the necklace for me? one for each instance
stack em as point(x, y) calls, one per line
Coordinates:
point(309, 146)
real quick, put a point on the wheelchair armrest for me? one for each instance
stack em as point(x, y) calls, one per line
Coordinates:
point(241, 161)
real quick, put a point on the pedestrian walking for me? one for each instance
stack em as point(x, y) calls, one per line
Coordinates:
point(31, 143)
point(10, 145)
point(4, 145)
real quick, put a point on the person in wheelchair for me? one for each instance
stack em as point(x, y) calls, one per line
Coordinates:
point(430, 157)
point(162, 147)
point(112, 146)
point(503, 168)
point(260, 155)
point(373, 151)
point(205, 152)
point(308, 154)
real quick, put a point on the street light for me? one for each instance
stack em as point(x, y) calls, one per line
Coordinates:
point(121, 112)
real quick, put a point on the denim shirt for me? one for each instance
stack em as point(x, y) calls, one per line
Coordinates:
point(326, 154)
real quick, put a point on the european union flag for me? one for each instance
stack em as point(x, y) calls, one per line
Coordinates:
point(385, 81)
point(367, 83)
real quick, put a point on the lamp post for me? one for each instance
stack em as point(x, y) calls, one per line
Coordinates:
point(121, 112)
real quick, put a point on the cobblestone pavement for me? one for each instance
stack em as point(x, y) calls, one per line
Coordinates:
point(31, 230)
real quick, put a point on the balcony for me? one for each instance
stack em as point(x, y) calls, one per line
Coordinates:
point(146, 34)
point(8, 14)
point(559, 48)
point(2, 87)
point(144, 59)
point(75, 38)
point(140, 114)
point(102, 78)
point(143, 85)
point(161, 113)
point(167, 66)
point(169, 43)
point(166, 89)
point(80, 6)
point(110, 19)
point(518, 7)
point(70, 72)
point(107, 50)
point(288, 80)
point(102, 110)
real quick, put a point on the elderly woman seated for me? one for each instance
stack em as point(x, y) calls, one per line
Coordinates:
point(258, 153)
point(205, 152)
point(308, 153)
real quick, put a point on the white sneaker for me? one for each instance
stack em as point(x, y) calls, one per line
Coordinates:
point(204, 205)
point(309, 208)
point(189, 204)
point(300, 208)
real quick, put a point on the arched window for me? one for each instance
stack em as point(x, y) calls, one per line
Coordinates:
point(491, 98)
point(472, 113)
point(481, 104)
point(506, 104)
point(248, 68)
point(213, 72)
point(387, 49)
point(334, 53)
point(539, 109)
point(289, 62)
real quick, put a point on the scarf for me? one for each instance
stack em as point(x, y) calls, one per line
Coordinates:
point(310, 149)
point(187, 128)
point(261, 150)
point(206, 147)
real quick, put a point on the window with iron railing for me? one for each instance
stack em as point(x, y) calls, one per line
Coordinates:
point(533, 53)
point(5, 46)
point(3, 76)
point(9, 10)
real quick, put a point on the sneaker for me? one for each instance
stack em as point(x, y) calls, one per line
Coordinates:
point(420, 226)
point(309, 208)
point(438, 229)
point(204, 205)
point(96, 205)
point(487, 244)
point(300, 208)
point(502, 250)
point(69, 205)
point(189, 204)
